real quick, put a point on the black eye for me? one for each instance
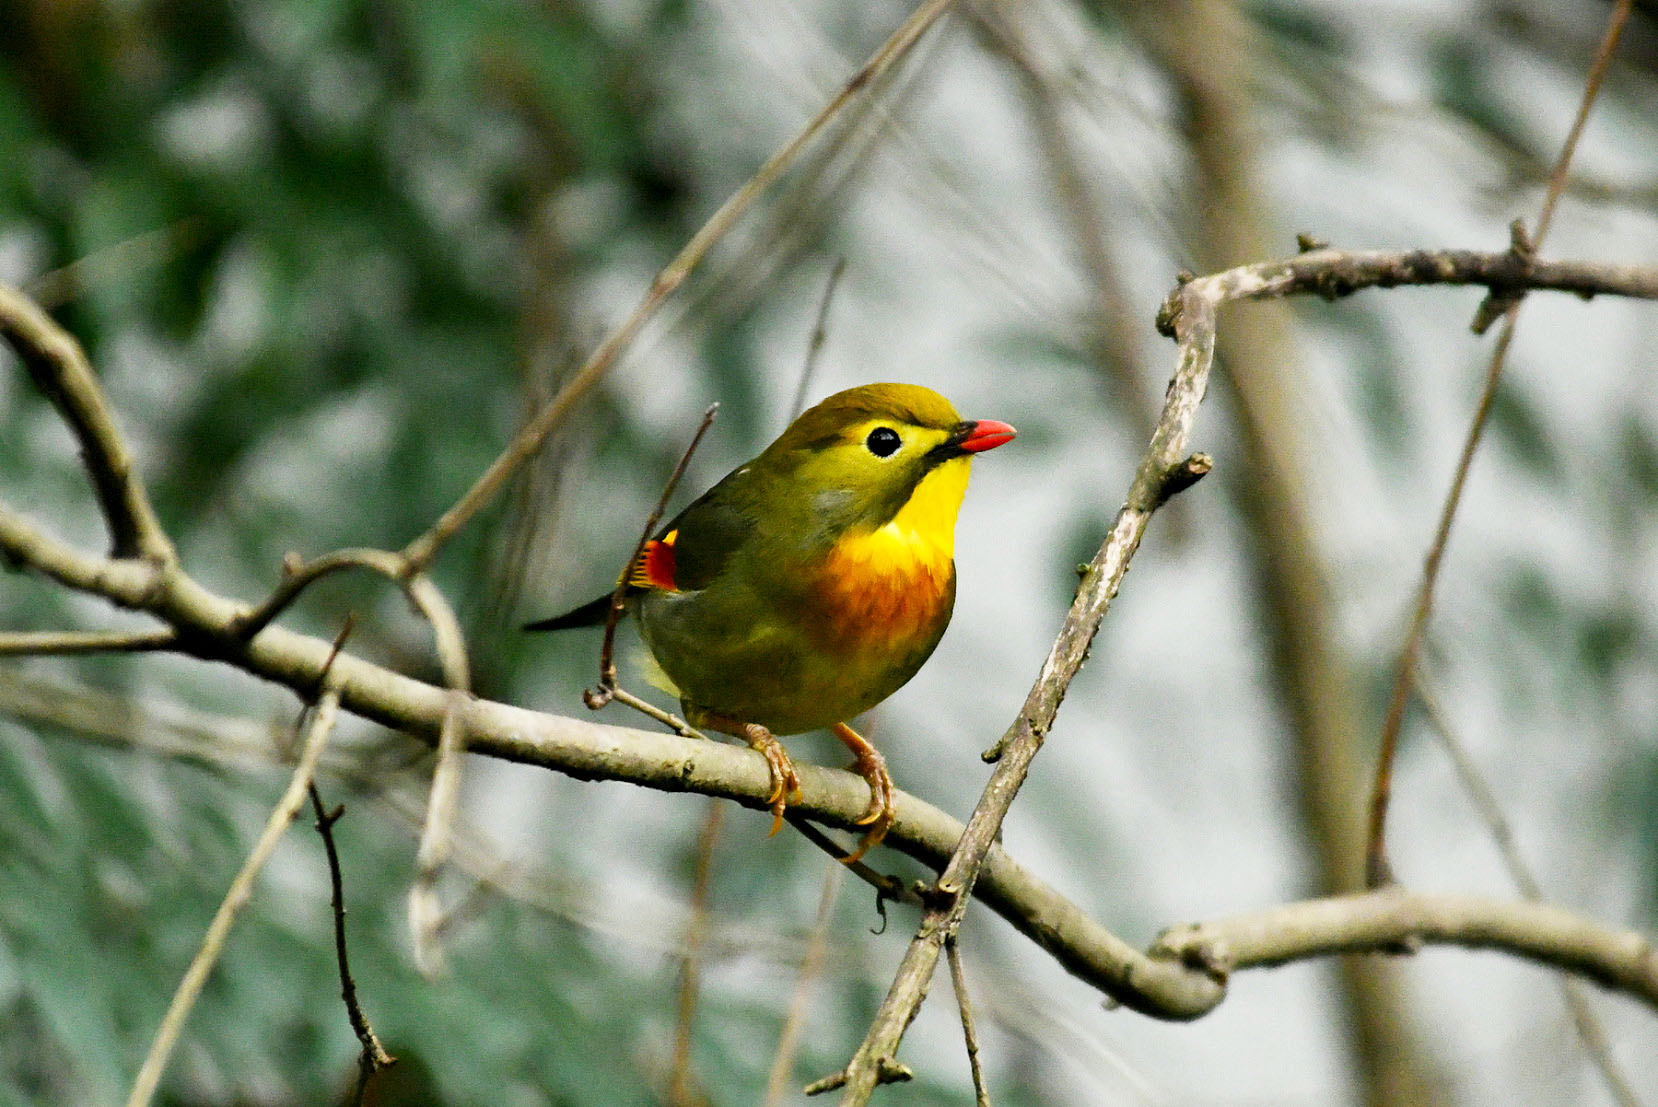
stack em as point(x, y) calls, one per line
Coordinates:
point(882, 441)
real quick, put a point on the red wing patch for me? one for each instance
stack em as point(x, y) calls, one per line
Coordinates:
point(655, 566)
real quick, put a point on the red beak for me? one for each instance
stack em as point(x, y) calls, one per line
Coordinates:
point(986, 434)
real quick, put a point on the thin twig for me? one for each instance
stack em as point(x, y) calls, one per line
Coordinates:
point(820, 335)
point(811, 965)
point(425, 916)
point(1018, 746)
point(651, 711)
point(1590, 1032)
point(886, 887)
point(421, 551)
point(298, 575)
point(964, 1004)
point(425, 913)
point(1377, 869)
point(1591, 92)
point(449, 642)
point(373, 1057)
point(680, 1081)
point(124, 259)
point(598, 697)
point(38, 643)
point(1112, 341)
point(241, 888)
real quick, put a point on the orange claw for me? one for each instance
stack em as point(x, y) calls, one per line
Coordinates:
point(785, 782)
point(880, 813)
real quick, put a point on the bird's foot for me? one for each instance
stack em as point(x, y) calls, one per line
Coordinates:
point(880, 813)
point(785, 782)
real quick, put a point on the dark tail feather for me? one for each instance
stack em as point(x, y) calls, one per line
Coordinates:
point(591, 614)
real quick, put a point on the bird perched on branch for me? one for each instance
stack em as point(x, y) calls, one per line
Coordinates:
point(811, 583)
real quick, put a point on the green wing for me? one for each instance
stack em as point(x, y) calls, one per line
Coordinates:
point(711, 531)
point(706, 535)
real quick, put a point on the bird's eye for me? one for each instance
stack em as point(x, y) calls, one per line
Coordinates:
point(882, 441)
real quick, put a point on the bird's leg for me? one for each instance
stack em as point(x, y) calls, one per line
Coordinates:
point(879, 815)
point(785, 782)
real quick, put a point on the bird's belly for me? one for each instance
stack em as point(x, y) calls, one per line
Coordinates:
point(826, 658)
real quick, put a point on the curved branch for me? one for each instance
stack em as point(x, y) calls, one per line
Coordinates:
point(1332, 274)
point(1168, 984)
point(1391, 920)
point(424, 548)
point(1161, 469)
point(1184, 976)
point(298, 575)
point(60, 370)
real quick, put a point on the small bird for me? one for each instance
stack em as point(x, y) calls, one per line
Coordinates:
point(811, 583)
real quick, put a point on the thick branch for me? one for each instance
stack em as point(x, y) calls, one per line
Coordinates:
point(1335, 273)
point(209, 627)
point(1168, 985)
point(1162, 986)
point(1391, 919)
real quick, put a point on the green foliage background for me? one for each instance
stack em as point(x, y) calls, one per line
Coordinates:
point(327, 253)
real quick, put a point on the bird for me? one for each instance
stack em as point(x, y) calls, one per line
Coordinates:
point(812, 582)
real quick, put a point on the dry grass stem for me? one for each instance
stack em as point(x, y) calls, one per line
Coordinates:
point(189, 988)
point(1505, 300)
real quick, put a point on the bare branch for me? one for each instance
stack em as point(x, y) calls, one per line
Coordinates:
point(1159, 987)
point(1590, 1032)
point(681, 1081)
point(1333, 274)
point(1390, 919)
point(425, 913)
point(811, 965)
point(298, 575)
point(241, 889)
point(137, 583)
point(1114, 327)
point(36, 643)
point(820, 335)
point(1017, 748)
point(964, 1005)
point(421, 551)
point(598, 697)
point(60, 370)
point(1376, 867)
point(373, 1056)
point(1504, 301)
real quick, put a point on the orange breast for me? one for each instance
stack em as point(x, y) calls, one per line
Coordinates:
point(881, 591)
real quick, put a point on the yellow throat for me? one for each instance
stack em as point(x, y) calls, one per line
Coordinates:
point(898, 577)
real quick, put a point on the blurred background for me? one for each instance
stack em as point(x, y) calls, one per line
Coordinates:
point(327, 254)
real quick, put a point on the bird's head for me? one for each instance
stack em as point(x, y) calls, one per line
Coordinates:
point(862, 456)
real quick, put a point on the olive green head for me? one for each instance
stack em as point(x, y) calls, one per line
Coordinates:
point(863, 452)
